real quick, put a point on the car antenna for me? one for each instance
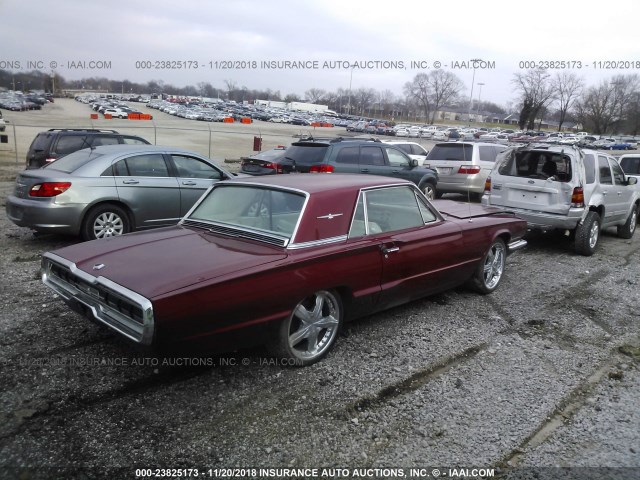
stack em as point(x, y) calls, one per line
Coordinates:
point(464, 159)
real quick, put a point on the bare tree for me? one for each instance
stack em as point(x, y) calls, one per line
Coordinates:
point(419, 90)
point(568, 87)
point(445, 88)
point(535, 91)
point(314, 95)
point(363, 98)
point(433, 90)
point(597, 108)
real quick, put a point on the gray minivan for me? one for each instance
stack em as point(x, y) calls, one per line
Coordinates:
point(463, 167)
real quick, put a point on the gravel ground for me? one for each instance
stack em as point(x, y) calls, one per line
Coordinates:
point(542, 374)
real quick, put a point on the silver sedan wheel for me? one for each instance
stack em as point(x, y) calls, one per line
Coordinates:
point(108, 224)
point(314, 325)
point(494, 265)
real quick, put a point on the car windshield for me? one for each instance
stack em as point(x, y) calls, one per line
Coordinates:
point(456, 152)
point(258, 208)
point(73, 161)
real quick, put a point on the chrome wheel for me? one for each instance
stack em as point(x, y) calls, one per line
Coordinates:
point(594, 232)
point(313, 326)
point(494, 265)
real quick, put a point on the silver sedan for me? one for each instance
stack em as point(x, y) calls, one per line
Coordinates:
point(112, 190)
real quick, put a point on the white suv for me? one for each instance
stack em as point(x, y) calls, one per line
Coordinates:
point(553, 187)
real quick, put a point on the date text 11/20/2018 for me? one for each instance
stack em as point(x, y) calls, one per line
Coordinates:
point(579, 64)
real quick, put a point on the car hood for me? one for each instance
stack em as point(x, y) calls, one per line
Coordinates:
point(156, 262)
point(455, 209)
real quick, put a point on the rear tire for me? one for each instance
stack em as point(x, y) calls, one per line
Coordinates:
point(106, 220)
point(587, 235)
point(629, 228)
point(491, 269)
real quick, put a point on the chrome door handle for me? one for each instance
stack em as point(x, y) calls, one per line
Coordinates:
point(387, 250)
point(130, 182)
point(190, 183)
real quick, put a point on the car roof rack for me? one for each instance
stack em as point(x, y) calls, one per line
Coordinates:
point(81, 130)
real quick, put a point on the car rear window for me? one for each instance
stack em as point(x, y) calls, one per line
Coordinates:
point(41, 141)
point(308, 154)
point(537, 165)
point(73, 161)
point(456, 152)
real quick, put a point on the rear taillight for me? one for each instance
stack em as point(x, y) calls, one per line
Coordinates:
point(274, 166)
point(50, 159)
point(49, 189)
point(468, 169)
point(487, 185)
point(322, 168)
point(577, 198)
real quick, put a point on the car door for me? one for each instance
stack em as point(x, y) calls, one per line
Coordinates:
point(421, 253)
point(347, 160)
point(609, 191)
point(622, 193)
point(146, 186)
point(399, 165)
point(194, 177)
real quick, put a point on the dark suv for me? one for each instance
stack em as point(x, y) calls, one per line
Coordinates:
point(343, 155)
point(57, 142)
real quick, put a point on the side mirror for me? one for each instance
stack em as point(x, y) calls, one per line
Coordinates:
point(414, 163)
point(632, 180)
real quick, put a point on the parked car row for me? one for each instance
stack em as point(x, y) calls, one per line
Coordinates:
point(19, 102)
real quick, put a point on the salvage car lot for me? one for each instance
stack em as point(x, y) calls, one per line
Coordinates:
point(542, 372)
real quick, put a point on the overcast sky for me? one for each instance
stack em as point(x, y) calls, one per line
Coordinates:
point(383, 37)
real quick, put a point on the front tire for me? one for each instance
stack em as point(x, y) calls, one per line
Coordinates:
point(587, 235)
point(104, 221)
point(308, 334)
point(490, 270)
point(629, 228)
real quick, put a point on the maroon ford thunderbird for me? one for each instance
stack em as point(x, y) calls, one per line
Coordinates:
point(284, 261)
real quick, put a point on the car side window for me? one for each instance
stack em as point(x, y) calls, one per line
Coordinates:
point(190, 167)
point(397, 159)
point(487, 154)
point(618, 174)
point(393, 208)
point(418, 150)
point(97, 141)
point(71, 143)
point(147, 165)
point(133, 141)
point(590, 168)
point(371, 156)
point(427, 214)
point(605, 171)
point(348, 155)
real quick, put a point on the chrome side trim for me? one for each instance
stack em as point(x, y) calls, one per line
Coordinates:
point(516, 245)
point(95, 294)
point(317, 243)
